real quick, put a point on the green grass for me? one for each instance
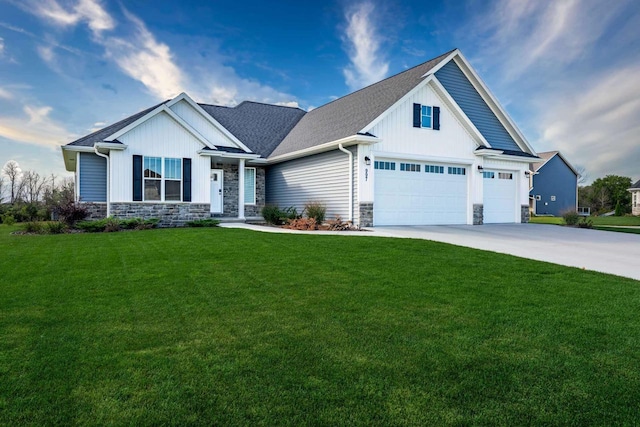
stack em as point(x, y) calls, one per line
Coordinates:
point(232, 327)
point(597, 220)
point(619, 229)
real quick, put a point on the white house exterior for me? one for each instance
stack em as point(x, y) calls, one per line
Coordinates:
point(430, 145)
point(635, 198)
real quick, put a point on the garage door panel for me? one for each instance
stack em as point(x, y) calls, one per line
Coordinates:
point(499, 197)
point(419, 198)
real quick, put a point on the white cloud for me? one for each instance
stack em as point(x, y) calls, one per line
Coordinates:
point(599, 126)
point(98, 19)
point(89, 11)
point(293, 104)
point(363, 47)
point(1, 46)
point(34, 127)
point(5, 94)
point(46, 53)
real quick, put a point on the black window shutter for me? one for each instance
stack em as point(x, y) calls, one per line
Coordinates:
point(416, 115)
point(436, 118)
point(137, 178)
point(186, 180)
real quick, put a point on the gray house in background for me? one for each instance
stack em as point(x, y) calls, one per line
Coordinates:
point(554, 185)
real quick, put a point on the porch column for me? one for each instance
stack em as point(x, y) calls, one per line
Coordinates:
point(241, 189)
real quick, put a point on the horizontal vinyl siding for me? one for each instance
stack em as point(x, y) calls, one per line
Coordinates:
point(474, 107)
point(321, 177)
point(555, 178)
point(93, 178)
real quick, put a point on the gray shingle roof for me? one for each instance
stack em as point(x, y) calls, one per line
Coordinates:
point(100, 135)
point(261, 127)
point(636, 185)
point(348, 115)
point(544, 156)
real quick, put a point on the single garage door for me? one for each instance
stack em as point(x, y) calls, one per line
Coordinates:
point(412, 193)
point(499, 197)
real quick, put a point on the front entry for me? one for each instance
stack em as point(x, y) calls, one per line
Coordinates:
point(216, 191)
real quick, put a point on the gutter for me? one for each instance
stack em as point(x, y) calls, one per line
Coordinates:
point(344, 150)
point(108, 183)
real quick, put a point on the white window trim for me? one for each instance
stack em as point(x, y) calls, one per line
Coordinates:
point(255, 181)
point(162, 181)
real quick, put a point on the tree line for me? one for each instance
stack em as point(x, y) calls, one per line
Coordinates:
point(29, 196)
point(607, 194)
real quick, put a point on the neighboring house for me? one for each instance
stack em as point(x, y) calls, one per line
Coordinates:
point(554, 185)
point(635, 198)
point(430, 145)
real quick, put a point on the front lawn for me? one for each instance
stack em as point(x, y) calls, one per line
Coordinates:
point(233, 327)
point(597, 220)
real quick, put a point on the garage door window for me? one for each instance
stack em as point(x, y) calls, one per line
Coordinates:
point(505, 175)
point(456, 171)
point(488, 175)
point(433, 169)
point(390, 166)
point(409, 167)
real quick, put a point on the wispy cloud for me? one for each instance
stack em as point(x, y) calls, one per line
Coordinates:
point(362, 43)
point(89, 11)
point(34, 127)
point(1, 46)
point(5, 94)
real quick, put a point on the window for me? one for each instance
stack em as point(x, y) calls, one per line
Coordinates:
point(155, 181)
point(553, 198)
point(538, 197)
point(384, 165)
point(488, 175)
point(250, 186)
point(172, 179)
point(426, 116)
point(456, 171)
point(433, 169)
point(409, 167)
point(152, 178)
point(505, 175)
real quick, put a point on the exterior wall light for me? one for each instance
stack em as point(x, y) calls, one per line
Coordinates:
point(527, 173)
point(367, 160)
point(480, 168)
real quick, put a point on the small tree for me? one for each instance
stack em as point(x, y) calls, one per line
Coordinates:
point(13, 172)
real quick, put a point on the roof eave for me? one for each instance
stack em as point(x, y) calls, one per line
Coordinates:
point(329, 146)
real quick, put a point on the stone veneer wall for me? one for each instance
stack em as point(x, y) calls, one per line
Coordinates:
point(169, 214)
point(230, 192)
point(95, 210)
point(478, 214)
point(525, 214)
point(366, 214)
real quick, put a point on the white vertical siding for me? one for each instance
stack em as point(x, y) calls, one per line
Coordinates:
point(201, 124)
point(159, 136)
point(321, 177)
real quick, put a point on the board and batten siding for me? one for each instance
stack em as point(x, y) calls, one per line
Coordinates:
point(322, 178)
point(92, 178)
point(474, 107)
point(159, 136)
point(187, 113)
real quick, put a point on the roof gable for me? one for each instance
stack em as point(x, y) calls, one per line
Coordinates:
point(547, 156)
point(350, 114)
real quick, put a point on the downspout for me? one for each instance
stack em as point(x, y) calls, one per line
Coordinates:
point(95, 149)
point(344, 150)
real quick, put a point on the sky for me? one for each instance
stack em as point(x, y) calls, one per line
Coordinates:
point(566, 71)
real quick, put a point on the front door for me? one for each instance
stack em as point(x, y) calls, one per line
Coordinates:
point(216, 191)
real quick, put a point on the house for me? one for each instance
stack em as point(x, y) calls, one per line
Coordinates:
point(635, 198)
point(554, 185)
point(430, 145)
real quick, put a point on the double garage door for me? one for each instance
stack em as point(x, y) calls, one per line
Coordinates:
point(418, 193)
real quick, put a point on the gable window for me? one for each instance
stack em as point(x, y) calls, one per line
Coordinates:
point(250, 186)
point(162, 184)
point(426, 116)
point(456, 171)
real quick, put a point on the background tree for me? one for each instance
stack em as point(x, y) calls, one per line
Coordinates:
point(611, 191)
point(33, 186)
point(1, 189)
point(583, 175)
point(13, 173)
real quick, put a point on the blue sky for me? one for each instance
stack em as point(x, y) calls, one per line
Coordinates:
point(567, 71)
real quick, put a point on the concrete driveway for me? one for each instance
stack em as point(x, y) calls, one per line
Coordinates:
point(605, 251)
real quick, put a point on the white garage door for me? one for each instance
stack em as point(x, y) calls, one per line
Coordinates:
point(412, 193)
point(499, 197)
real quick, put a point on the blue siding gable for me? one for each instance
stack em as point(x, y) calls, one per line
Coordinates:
point(93, 178)
point(555, 178)
point(472, 104)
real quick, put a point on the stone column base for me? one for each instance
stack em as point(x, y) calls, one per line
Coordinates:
point(525, 214)
point(478, 214)
point(366, 214)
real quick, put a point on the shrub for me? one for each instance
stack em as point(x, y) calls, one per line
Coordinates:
point(8, 219)
point(97, 226)
point(571, 217)
point(71, 212)
point(316, 210)
point(585, 223)
point(208, 222)
point(111, 224)
point(290, 213)
point(619, 209)
point(272, 214)
point(149, 223)
point(33, 227)
point(302, 224)
point(56, 227)
point(131, 223)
